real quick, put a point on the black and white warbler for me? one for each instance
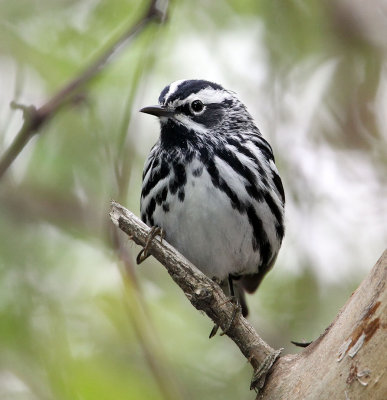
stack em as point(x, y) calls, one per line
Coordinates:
point(211, 184)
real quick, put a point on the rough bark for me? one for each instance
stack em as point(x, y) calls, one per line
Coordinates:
point(348, 361)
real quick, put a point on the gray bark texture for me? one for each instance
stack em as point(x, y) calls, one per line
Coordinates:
point(348, 361)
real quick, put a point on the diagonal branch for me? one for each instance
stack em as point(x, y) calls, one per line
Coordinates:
point(35, 118)
point(346, 361)
point(203, 293)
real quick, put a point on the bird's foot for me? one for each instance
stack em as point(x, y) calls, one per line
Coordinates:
point(154, 231)
point(237, 310)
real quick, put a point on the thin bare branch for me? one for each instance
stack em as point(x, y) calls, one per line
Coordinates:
point(203, 293)
point(35, 118)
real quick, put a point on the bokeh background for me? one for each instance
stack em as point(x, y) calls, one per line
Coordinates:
point(78, 320)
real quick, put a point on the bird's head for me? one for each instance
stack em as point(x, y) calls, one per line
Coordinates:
point(198, 107)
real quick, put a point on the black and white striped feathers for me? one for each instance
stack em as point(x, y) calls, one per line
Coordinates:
point(211, 183)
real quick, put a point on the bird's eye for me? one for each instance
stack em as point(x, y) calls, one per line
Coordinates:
point(197, 106)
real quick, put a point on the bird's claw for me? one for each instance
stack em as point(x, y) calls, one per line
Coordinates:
point(301, 344)
point(237, 310)
point(214, 331)
point(154, 231)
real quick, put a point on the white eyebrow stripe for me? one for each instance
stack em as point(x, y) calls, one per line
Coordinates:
point(173, 87)
point(207, 96)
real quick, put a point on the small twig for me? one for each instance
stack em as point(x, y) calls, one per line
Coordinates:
point(203, 293)
point(35, 118)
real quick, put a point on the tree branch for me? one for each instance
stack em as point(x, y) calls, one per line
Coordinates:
point(203, 293)
point(347, 361)
point(35, 118)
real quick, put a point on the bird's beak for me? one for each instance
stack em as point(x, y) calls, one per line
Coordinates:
point(158, 111)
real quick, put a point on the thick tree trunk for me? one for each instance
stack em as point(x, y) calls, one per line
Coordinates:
point(348, 361)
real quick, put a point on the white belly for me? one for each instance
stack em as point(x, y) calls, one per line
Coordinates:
point(207, 230)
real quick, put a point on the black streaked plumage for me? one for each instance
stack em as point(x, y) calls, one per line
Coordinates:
point(211, 183)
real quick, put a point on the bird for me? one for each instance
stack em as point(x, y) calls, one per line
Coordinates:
point(211, 184)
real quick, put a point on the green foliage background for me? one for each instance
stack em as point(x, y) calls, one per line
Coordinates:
point(74, 324)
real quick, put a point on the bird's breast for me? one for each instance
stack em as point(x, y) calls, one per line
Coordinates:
point(203, 209)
